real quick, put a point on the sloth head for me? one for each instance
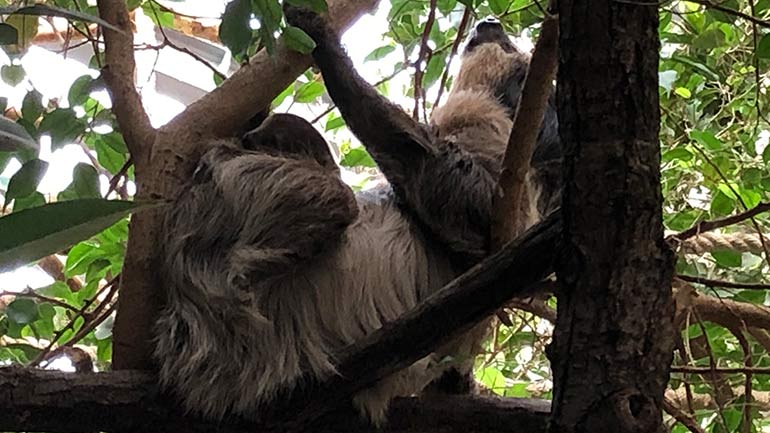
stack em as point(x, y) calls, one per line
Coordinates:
point(489, 58)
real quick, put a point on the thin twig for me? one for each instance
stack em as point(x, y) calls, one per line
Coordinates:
point(719, 283)
point(418, 71)
point(29, 293)
point(681, 416)
point(115, 179)
point(718, 370)
point(705, 226)
point(455, 46)
point(111, 285)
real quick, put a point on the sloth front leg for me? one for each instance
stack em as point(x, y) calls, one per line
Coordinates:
point(250, 216)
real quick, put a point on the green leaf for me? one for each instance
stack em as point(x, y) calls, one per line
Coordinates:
point(159, 17)
point(727, 259)
point(80, 90)
point(26, 180)
point(700, 67)
point(8, 34)
point(53, 11)
point(319, 6)
point(493, 379)
point(722, 204)
point(115, 142)
point(28, 201)
point(44, 325)
point(22, 311)
point(763, 47)
point(108, 158)
point(357, 157)
point(234, 31)
point(679, 153)
point(286, 92)
point(308, 92)
point(32, 106)
point(724, 16)
point(683, 92)
point(14, 137)
point(298, 40)
point(498, 6)
point(434, 70)
point(35, 233)
point(12, 75)
point(379, 53)
point(709, 39)
point(334, 123)
point(446, 6)
point(707, 139)
point(85, 184)
point(63, 126)
point(133, 4)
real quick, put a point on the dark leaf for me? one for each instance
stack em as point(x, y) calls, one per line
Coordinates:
point(22, 311)
point(32, 106)
point(8, 34)
point(298, 40)
point(379, 53)
point(85, 184)
point(12, 74)
point(35, 233)
point(14, 137)
point(63, 126)
point(234, 31)
point(53, 11)
point(24, 182)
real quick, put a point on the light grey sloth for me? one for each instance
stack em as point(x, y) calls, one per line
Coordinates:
point(273, 264)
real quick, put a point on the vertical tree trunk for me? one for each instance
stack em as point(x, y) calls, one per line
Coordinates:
point(614, 334)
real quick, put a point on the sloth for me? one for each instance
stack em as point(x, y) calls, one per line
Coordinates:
point(272, 265)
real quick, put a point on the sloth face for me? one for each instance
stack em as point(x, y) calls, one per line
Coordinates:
point(489, 31)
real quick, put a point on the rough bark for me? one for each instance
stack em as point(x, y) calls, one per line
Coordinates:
point(171, 157)
point(129, 400)
point(614, 333)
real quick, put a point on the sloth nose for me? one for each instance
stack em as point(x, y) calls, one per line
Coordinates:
point(488, 23)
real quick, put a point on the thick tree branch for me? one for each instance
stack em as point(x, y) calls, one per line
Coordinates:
point(506, 217)
point(118, 72)
point(614, 336)
point(37, 400)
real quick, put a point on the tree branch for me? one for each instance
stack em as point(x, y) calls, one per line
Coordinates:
point(705, 226)
point(118, 72)
point(506, 217)
point(129, 400)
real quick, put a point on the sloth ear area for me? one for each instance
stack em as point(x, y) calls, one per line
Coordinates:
point(291, 136)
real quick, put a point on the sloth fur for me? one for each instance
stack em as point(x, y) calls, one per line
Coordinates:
point(273, 265)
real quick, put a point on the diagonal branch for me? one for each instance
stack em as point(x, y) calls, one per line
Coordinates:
point(119, 72)
point(507, 221)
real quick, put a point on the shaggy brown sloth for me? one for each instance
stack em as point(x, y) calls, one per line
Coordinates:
point(273, 264)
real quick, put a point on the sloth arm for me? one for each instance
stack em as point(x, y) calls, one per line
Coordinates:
point(441, 185)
